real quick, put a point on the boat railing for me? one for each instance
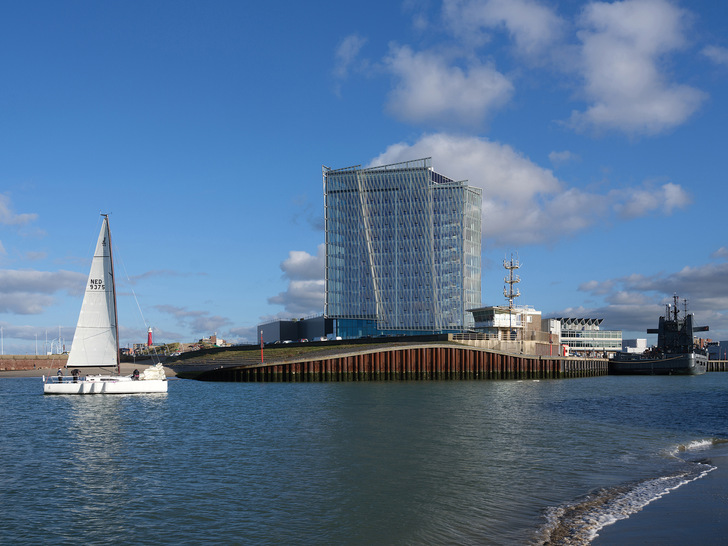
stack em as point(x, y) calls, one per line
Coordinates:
point(62, 378)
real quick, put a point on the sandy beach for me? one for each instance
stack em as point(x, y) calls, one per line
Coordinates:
point(696, 513)
point(126, 369)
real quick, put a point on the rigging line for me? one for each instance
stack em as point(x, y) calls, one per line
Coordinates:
point(136, 300)
point(128, 280)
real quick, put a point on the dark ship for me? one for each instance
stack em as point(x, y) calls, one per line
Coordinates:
point(675, 353)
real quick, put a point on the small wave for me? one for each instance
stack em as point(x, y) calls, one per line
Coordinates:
point(697, 445)
point(579, 523)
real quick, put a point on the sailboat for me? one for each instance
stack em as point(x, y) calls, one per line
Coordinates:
point(96, 340)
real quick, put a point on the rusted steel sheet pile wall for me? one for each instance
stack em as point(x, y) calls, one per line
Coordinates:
point(31, 362)
point(419, 363)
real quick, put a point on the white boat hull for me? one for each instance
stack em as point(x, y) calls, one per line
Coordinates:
point(105, 385)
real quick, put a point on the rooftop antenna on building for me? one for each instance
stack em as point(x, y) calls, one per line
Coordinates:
point(508, 292)
point(510, 280)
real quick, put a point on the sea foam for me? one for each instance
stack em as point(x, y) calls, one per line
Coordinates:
point(580, 522)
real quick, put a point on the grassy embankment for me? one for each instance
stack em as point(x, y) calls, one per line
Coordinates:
point(251, 354)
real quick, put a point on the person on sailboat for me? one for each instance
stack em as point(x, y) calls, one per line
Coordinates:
point(135, 375)
point(60, 376)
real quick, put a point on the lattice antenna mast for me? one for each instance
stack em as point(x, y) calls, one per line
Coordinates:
point(510, 280)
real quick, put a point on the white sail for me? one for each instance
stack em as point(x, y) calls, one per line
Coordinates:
point(95, 340)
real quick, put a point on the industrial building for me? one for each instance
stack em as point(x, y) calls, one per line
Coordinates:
point(403, 250)
point(309, 329)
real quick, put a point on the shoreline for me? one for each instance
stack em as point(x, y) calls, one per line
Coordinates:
point(126, 369)
point(697, 512)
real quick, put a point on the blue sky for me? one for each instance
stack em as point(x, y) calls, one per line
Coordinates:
point(597, 131)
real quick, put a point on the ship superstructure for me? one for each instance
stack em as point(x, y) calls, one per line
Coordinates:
point(676, 352)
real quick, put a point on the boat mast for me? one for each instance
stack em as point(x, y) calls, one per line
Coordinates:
point(675, 308)
point(113, 290)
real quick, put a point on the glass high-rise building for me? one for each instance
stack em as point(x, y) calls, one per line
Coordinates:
point(402, 250)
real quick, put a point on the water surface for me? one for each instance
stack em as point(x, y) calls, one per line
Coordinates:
point(430, 462)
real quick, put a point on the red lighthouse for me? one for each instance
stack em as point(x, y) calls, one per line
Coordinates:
point(149, 337)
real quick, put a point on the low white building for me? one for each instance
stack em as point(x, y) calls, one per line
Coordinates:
point(637, 346)
point(506, 323)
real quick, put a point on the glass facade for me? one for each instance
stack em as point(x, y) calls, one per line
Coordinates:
point(402, 250)
point(583, 335)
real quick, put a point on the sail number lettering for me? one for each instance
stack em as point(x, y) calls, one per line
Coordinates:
point(96, 284)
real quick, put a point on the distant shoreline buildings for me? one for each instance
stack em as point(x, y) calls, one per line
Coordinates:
point(403, 257)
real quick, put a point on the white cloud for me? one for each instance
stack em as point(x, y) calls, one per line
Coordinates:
point(597, 287)
point(418, 11)
point(10, 218)
point(497, 168)
point(524, 203)
point(301, 265)
point(623, 44)
point(620, 61)
point(634, 302)
point(302, 298)
point(346, 58)
point(672, 197)
point(719, 55)
point(24, 303)
point(28, 292)
point(635, 202)
point(558, 158)
point(305, 292)
point(180, 313)
point(722, 252)
point(198, 322)
point(519, 198)
point(532, 25)
point(245, 334)
point(45, 282)
point(346, 53)
point(207, 325)
point(430, 89)
point(34, 255)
